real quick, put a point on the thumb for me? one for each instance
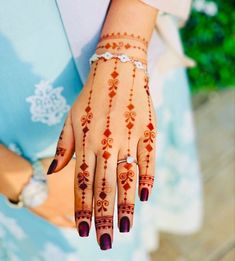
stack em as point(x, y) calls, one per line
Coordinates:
point(65, 147)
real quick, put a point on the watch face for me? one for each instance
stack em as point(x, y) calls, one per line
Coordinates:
point(35, 193)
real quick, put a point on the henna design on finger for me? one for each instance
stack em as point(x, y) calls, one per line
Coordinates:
point(83, 175)
point(124, 35)
point(119, 46)
point(126, 208)
point(107, 141)
point(127, 176)
point(60, 151)
point(125, 213)
point(104, 222)
point(83, 214)
point(147, 179)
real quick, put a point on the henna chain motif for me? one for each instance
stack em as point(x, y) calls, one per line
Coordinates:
point(104, 222)
point(107, 141)
point(149, 140)
point(124, 36)
point(83, 174)
point(119, 46)
point(127, 176)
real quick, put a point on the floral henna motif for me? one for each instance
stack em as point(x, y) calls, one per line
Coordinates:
point(120, 46)
point(107, 140)
point(83, 174)
point(149, 134)
point(124, 36)
point(104, 222)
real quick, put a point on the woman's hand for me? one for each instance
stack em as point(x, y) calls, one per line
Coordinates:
point(59, 206)
point(113, 118)
point(15, 173)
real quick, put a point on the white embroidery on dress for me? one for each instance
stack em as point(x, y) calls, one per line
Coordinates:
point(47, 105)
point(15, 148)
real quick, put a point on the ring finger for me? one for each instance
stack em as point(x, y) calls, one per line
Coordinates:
point(127, 178)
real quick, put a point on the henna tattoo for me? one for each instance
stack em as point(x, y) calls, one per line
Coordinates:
point(107, 140)
point(124, 36)
point(60, 151)
point(120, 46)
point(83, 214)
point(126, 177)
point(104, 222)
point(83, 174)
point(147, 180)
point(149, 134)
point(126, 208)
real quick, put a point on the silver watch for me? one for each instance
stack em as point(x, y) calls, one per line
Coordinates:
point(35, 191)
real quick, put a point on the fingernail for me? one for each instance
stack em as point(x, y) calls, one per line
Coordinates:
point(105, 242)
point(52, 167)
point(83, 229)
point(124, 224)
point(144, 194)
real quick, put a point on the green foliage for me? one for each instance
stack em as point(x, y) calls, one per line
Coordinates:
point(210, 41)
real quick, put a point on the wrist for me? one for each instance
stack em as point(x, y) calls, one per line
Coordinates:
point(13, 183)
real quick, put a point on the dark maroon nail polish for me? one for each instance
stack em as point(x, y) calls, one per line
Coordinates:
point(83, 229)
point(52, 167)
point(105, 242)
point(124, 224)
point(144, 194)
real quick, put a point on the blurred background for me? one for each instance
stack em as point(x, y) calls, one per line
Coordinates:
point(209, 39)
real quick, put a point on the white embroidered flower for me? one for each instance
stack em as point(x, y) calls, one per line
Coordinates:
point(47, 104)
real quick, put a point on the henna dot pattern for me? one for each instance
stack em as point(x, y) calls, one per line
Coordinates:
point(127, 176)
point(107, 141)
point(120, 46)
point(83, 175)
point(147, 179)
point(124, 35)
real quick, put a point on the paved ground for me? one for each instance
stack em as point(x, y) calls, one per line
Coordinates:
point(215, 124)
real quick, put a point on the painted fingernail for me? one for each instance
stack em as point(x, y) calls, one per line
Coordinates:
point(52, 167)
point(144, 194)
point(124, 224)
point(83, 229)
point(105, 242)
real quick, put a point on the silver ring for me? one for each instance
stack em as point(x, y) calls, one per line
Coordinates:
point(129, 160)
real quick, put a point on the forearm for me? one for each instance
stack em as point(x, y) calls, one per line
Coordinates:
point(133, 18)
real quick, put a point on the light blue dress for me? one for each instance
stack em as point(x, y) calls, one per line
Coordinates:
point(38, 83)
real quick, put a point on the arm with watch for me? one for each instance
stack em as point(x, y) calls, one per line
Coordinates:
point(22, 183)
